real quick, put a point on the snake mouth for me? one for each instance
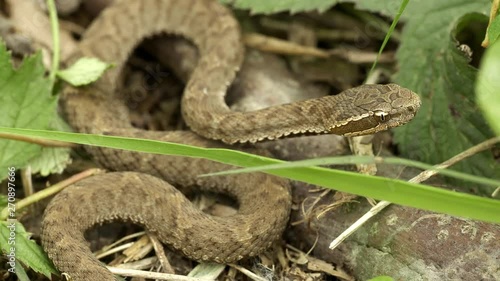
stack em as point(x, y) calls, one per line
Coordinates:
point(374, 122)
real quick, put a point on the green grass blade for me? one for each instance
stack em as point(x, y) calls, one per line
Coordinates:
point(389, 33)
point(343, 160)
point(396, 191)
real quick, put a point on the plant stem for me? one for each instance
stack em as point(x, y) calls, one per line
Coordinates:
point(54, 26)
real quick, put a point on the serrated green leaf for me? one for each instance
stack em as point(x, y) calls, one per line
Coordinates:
point(52, 160)
point(488, 86)
point(293, 6)
point(494, 30)
point(25, 102)
point(431, 65)
point(84, 71)
point(22, 248)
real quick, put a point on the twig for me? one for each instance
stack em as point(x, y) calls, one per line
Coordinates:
point(153, 275)
point(357, 56)
point(116, 243)
point(42, 142)
point(140, 248)
point(27, 181)
point(275, 45)
point(114, 250)
point(496, 192)
point(321, 33)
point(417, 179)
point(142, 264)
point(160, 253)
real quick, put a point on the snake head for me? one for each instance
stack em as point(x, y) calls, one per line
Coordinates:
point(378, 108)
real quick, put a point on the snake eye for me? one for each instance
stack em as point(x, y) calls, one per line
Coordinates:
point(382, 116)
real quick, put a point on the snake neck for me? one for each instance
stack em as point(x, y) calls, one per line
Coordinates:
point(362, 110)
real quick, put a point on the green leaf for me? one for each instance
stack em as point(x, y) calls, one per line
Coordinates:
point(393, 190)
point(430, 64)
point(52, 160)
point(494, 30)
point(25, 102)
point(16, 244)
point(84, 71)
point(3, 201)
point(488, 86)
point(293, 6)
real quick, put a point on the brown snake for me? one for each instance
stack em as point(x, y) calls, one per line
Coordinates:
point(264, 201)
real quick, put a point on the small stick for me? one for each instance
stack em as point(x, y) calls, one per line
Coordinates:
point(160, 253)
point(275, 45)
point(417, 179)
point(153, 275)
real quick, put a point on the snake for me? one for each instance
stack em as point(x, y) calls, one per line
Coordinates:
point(140, 187)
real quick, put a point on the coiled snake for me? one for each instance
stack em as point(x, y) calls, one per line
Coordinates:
point(141, 196)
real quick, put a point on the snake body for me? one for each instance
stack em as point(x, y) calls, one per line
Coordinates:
point(264, 201)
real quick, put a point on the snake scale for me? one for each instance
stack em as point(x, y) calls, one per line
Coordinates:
point(139, 193)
